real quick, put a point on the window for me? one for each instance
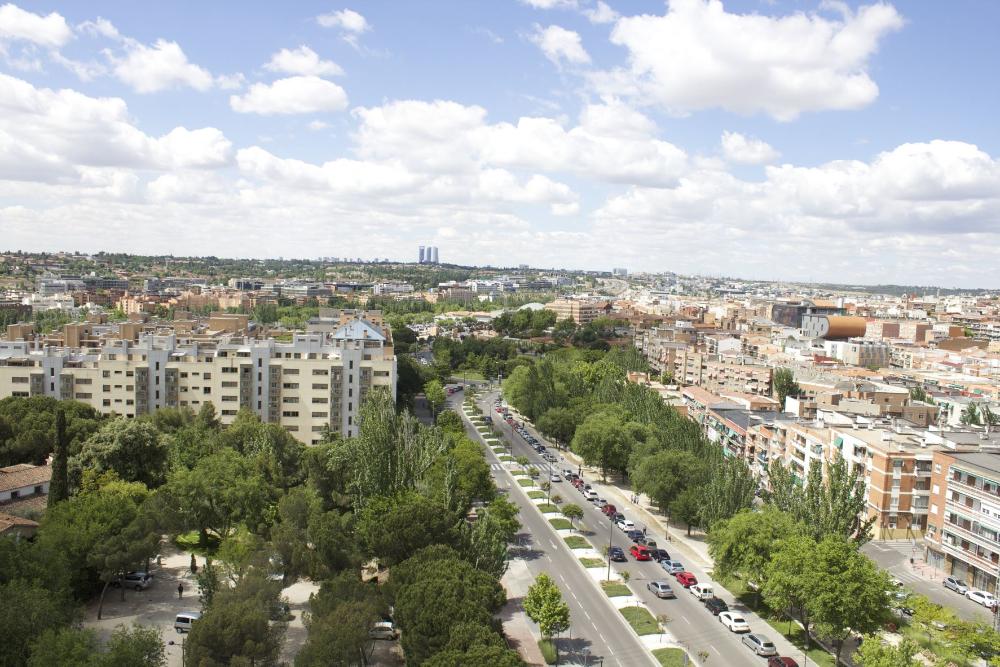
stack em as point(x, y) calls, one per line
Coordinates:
point(320, 415)
point(937, 467)
point(207, 376)
point(38, 488)
point(229, 384)
point(106, 387)
point(320, 371)
point(290, 413)
point(229, 399)
point(105, 374)
point(290, 371)
point(319, 400)
point(207, 390)
point(321, 387)
point(351, 364)
point(290, 385)
point(290, 399)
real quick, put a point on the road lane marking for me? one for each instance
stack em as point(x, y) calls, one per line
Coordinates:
point(717, 651)
point(587, 615)
point(603, 640)
point(574, 596)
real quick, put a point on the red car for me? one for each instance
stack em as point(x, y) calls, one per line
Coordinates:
point(777, 661)
point(610, 510)
point(685, 579)
point(640, 552)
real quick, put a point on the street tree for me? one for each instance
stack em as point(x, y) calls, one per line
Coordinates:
point(558, 423)
point(573, 512)
point(873, 653)
point(849, 593)
point(59, 486)
point(603, 440)
point(784, 385)
point(436, 397)
point(730, 489)
point(745, 544)
point(544, 605)
point(664, 476)
point(392, 529)
point(339, 637)
point(687, 507)
point(791, 580)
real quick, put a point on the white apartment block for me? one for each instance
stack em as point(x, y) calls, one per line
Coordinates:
point(314, 382)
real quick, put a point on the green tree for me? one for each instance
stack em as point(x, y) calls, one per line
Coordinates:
point(131, 448)
point(791, 579)
point(730, 489)
point(970, 415)
point(784, 385)
point(448, 420)
point(919, 394)
point(339, 637)
point(573, 512)
point(392, 529)
point(29, 611)
point(63, 647)
point(665, 475)
point(435, 395)
point(558, 423)
point(59, 486)
point(605, 441)
point(687, 507)
point(135, 646)
point(745, 543)
point(545, 606)
point(873, 653)
point(850, 594)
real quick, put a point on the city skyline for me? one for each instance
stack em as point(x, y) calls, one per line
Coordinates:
point(818, 141)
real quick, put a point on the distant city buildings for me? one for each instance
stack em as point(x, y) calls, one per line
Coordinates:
point(428, 255)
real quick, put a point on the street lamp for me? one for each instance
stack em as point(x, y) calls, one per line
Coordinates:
point(611, 537)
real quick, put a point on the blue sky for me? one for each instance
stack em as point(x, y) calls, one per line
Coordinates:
point(789, 140)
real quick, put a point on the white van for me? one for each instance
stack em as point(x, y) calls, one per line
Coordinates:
point(702, 591)
point(184, 621)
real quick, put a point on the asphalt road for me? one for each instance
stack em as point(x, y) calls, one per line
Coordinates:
point(599, 633)
point(894, 557)
point(690, 623)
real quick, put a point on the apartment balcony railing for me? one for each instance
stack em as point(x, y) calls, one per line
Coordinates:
point(957, 551)
point(974, 491)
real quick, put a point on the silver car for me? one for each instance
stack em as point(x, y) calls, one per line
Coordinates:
point(661, 589)
point(954, 584)
point(760, 644)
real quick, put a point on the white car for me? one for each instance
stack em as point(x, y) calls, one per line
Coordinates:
point(982, 597)
point(555, 478)
point(383, 630)
point(702, 591)
point(734, 622)
point(626, 525)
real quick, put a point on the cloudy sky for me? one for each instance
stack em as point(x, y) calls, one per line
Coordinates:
point(785, 139)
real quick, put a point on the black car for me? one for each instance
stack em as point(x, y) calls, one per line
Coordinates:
point(617, 555)
point(659, 554)
point(617, 517)
point(634, 535)
point(716, 606)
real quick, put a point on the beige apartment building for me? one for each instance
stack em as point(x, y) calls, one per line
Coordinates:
point(578, 310)
point(316, 381)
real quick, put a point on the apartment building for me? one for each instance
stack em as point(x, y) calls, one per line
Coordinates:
point(316, 381)
point(963, 537)
point(580, 311)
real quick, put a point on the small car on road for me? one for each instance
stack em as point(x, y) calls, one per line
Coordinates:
point(617, 555)
point(954, 584)
point(639, 552)
point(626, 525)
point(661, 589)
point(984, 598)
point(781, 661)
point(685, 579)
point(760, 644)
point(735, 622)
point(659, 555)
point(609, 509)
point(383, 630)
point(672, 566)
point(702, 591)
point(716, 606)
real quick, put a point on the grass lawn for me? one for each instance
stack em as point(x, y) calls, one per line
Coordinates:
point(507, 459)
point(575, 541)
point(560, 523)
point(545, 508)
point(517, 472)
point(670, 657)
point(526, 482)
point(641, 620)
point(548, 649)
point(498, 450)
point(492, 442)
point(189, 542)
point(592, 562)
point(534, 494)
point(614, 589)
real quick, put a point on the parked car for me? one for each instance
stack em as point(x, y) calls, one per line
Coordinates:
point(702, 591)
point(616, 517)
point(760, 644)
point(554, 477)
point(634, 535)
point(590, 494)
point(599, 502)
point(383, 630)
point(661, 589)
point(139, 581)
point(716, 606)
point(617, 555)
point(672, 566)
point(686, 579)
point(781, 661)
point(984, 598)
point(626, 525)
point(184, 620)
point(609, 509)
point(648, 541)
point(659, 555)
point(639, 552)
point(955, 585)
point(735, 622)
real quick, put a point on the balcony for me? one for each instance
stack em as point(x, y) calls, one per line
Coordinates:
point(969, 557)
point(972, 536)
point(974, 491)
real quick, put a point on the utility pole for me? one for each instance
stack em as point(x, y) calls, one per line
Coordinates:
point(611, 537)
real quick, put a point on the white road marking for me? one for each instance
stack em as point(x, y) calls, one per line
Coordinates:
point(603, 640)
point(686, 620)
point(717, 651)
point(574, 596)
point(587, 615)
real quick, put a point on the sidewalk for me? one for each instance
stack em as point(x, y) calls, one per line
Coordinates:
point(517, 627)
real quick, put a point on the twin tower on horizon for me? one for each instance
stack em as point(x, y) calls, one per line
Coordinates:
point(429, 255)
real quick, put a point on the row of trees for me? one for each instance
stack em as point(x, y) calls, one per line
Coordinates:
point(267, 508)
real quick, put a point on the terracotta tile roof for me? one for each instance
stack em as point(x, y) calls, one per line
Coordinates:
point(22, 475)
point(8, 521)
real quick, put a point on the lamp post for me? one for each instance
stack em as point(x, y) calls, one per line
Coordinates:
point(611, 537)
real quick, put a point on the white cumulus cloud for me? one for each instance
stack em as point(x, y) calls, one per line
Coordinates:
point(747, 150)
point(18, 24)
point(162, 66)
point(351, 24)
point(601, 13)
point(560, 45)
point(551, 4)
point(302, 60)
point(294, 95)
point(700, 56)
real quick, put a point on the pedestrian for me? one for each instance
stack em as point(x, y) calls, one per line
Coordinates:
point(644, 531)
point(194, 565)
point(180, 590)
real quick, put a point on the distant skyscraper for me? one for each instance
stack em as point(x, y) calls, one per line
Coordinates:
point(421, 254)
point(434, 252)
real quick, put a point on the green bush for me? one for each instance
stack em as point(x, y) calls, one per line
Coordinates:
point(548, 649)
